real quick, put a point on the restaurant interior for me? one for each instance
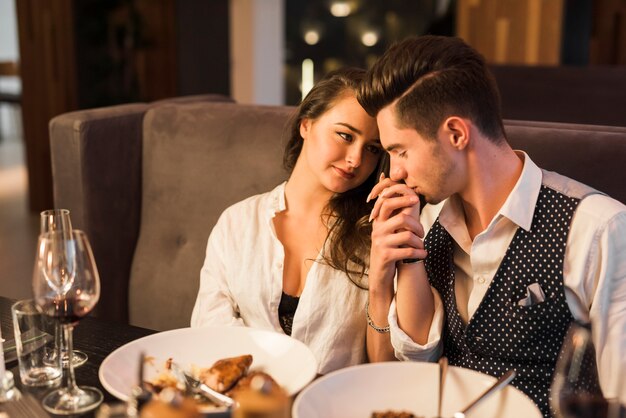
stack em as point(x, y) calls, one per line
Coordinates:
point(555, 62)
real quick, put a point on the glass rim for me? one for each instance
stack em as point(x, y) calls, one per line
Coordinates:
point(49, 212)
point(30, 303)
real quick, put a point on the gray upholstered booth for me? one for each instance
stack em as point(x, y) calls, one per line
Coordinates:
point(147, 183)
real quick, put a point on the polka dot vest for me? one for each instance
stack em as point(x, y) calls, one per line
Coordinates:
point(502, 335)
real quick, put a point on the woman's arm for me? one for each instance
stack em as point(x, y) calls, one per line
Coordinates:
point(215, 304)
point(397, 236)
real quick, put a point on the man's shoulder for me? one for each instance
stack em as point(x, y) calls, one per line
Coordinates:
point(595, 206)
point(566, 185)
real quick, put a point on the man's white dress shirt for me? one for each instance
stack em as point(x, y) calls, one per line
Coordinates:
point(594, 270)
point(241, 283)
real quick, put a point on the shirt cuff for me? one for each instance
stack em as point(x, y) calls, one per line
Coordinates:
point(407, 349)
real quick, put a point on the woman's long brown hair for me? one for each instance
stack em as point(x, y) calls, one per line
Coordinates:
point(346, 215)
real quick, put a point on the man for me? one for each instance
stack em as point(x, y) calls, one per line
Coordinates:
point(512, 254)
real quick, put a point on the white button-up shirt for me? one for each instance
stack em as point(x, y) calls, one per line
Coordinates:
point(241, 283)
point(594, 270)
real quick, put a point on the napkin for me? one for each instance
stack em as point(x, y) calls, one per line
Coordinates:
point(534, 295)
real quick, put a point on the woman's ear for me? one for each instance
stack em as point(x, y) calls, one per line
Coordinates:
point(305, 127)
point(457, 131)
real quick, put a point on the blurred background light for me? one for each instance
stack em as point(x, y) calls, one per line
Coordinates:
point(307, 76)
point(340, 8)
point(369, 38)
point(311, 37)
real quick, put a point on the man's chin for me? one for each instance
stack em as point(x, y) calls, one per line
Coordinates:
point(431, 200)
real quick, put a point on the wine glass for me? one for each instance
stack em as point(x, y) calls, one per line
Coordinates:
point(575, 391)
point(66, 286)
point(59, 220)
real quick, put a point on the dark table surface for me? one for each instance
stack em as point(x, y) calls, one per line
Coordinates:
point(95, 337)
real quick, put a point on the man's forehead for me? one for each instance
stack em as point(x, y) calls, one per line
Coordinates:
point(393, 136)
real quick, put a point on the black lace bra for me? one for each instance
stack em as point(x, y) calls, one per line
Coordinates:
point(286, 311)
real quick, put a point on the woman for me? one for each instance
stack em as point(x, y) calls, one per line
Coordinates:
point(294, 259)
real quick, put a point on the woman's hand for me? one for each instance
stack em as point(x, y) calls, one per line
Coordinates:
point(396, 235)
point(396, 231)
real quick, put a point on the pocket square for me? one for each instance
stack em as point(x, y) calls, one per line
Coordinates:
point(534, 295)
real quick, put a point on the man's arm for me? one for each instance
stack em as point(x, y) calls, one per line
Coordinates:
point(608, 307)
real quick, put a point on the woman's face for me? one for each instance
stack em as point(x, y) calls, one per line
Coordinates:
point(341, 147)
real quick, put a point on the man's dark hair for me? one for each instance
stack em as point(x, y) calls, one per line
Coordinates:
point(434, 77)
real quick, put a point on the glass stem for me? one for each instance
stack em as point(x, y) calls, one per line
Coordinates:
point(60, 340)
point(70, 380)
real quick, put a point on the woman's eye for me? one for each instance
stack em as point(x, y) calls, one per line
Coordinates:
point(345, 136)
point(373, 149)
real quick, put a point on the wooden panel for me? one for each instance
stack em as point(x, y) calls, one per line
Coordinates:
point(48, 84)
point(608, 45)
point(512, 31)
point(517, 46)
point(156, 58)
point(551, 33)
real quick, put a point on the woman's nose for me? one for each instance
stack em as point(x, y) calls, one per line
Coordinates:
point(353, 158)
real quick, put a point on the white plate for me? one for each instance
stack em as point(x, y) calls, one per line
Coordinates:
point(356, 392)
point(287, 360)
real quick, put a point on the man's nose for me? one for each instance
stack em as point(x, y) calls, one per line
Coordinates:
point(397, 172)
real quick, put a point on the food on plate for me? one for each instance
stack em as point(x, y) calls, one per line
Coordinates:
point(269, 384)
point(393, 414)
point(225, 373)
point(180, 408)
point(231, 376)
point(258, 395)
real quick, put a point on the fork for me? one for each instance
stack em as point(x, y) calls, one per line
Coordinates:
point(504, 380)
point(443, 371)
point(196, 386)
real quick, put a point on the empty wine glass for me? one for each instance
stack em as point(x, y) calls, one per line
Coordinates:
point(59, 220)
point(575, 389)
point(66, 286)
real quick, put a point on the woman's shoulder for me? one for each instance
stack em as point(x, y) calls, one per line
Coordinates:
point(255, 205)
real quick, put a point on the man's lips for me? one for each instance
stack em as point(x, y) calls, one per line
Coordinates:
point(414, 188)
point(344, 173)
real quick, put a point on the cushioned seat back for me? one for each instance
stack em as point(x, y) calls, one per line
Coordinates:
point(185, 189)
point(594, 155)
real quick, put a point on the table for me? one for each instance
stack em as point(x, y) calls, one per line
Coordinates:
point(95, 337)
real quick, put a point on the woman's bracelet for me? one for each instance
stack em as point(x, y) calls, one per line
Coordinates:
point(380, 330)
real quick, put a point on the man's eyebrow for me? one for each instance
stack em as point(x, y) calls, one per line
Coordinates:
point(352, 128)
point(392, 147)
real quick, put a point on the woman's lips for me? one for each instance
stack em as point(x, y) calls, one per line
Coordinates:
point(343, 173)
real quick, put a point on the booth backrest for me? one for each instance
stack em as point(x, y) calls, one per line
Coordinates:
point(148, 182)
point(197, 160)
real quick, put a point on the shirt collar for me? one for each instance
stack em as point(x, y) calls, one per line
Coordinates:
point(277, 200)
point(519, 206)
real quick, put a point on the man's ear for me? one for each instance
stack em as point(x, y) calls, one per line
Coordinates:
point(457, 131)
point(305, 127)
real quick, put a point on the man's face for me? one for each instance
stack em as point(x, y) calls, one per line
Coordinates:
point(426, 165)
